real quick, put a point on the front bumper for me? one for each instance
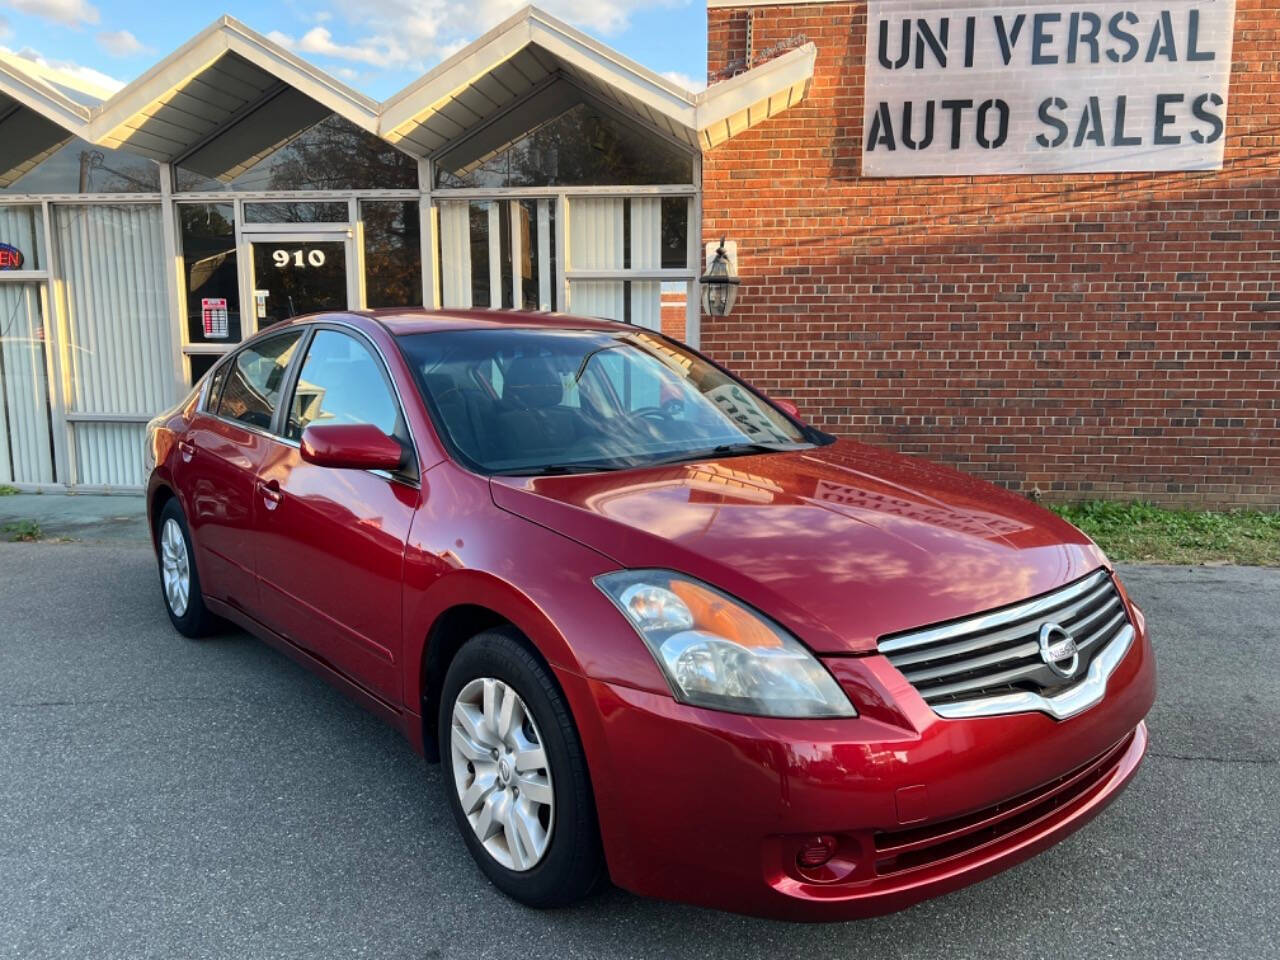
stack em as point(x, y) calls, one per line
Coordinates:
point(712, 808)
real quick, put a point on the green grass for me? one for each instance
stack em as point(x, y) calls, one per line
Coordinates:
point(23, 531)
point(1142, 533)
point(7, 491)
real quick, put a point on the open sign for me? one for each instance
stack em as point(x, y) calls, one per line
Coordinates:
point(11, 257)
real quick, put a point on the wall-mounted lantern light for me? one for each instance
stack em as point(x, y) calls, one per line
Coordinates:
point(719, 285)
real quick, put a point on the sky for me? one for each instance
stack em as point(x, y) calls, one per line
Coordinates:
point(375, 46)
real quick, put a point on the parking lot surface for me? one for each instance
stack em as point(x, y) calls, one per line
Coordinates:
point(161, 797)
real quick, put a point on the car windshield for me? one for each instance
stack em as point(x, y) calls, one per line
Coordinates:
point(526, 401)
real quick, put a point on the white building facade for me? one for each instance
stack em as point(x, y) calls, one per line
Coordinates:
point(233, 185)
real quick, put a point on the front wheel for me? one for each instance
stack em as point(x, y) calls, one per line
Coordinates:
point(515, 774)
point(179, 580)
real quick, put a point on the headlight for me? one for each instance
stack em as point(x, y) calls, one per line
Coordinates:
point(718, 653)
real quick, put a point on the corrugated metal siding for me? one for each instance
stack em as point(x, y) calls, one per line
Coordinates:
point(26, 453)
point(110, 453)
point(120, 343)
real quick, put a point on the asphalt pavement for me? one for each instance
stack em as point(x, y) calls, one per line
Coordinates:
point(168, 798)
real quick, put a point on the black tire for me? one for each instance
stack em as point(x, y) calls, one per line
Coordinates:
point(196, 620)
point(573, 864)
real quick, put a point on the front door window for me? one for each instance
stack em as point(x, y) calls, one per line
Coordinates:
point(296, 275)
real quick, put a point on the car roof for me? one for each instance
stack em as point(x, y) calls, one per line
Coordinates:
point(402, 322)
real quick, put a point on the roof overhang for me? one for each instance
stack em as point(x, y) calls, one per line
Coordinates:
point(230, 96)
point(36, 118)
point(226, 77)
point(728, 108)
point(532, 48)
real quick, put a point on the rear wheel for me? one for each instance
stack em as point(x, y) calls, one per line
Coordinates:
point(515, 774)
point(179, 579)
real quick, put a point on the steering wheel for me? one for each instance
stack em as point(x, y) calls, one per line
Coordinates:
point(668, 411)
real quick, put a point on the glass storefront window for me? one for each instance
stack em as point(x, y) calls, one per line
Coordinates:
point(644, 303)
point(210, 267)
point(392, 253)
point(22, 229)
point(80, 167)
point(675, 233)
point(202, 363)
point(498, 253)
point(584, 146)
point(334, 154)
point(297, 211)
point(483, 217)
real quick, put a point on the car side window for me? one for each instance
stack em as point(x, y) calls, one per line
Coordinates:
point(214, 393)
point(255, 378)
point(341, 382)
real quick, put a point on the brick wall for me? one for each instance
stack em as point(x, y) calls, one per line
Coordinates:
point(1108, 336)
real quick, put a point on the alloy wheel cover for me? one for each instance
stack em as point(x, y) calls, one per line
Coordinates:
point(502, 773)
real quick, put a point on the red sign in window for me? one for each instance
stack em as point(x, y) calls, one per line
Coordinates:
point(10, 257)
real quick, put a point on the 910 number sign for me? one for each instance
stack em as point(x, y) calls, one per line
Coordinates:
point(297, 258)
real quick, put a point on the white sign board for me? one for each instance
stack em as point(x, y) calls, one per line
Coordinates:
point(977, 87)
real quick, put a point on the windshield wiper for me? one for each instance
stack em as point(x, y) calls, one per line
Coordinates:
point(556, 469)
point(725, 450)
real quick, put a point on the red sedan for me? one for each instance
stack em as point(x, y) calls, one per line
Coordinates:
point(656, 627)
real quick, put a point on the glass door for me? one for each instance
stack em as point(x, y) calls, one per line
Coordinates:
point(295, 273)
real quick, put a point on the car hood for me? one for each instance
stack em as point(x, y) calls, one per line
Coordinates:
point(841, 544)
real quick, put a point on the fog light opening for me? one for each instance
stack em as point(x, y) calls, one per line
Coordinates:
point(816, 851)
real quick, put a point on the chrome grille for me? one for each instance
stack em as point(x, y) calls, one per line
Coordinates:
point(996, 654)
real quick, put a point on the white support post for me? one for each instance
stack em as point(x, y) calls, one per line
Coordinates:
point(517, 256)
point(57, 335)
point(428, 236)
point(562, 251)
point(544, 254)
point(693, 304)
point(495, 254)
point(359, 296)
point(173, 279)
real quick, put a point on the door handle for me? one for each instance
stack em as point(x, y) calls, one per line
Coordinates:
point(271, 493)
point(187, 449)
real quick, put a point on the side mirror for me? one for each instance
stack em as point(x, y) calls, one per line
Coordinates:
point(351, 447)
point(787, 407)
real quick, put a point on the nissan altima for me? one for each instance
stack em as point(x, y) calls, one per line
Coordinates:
point(655, 628)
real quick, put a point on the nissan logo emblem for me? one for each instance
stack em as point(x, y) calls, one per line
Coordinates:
point(1058, 651)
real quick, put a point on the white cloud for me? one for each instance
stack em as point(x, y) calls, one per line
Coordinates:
point(319, 40)
point(684, 80)
point(71, 13)
point(121, 43)
point(413, 34)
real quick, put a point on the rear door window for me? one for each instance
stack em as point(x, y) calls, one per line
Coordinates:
point(255, 378)
point(214, 393)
